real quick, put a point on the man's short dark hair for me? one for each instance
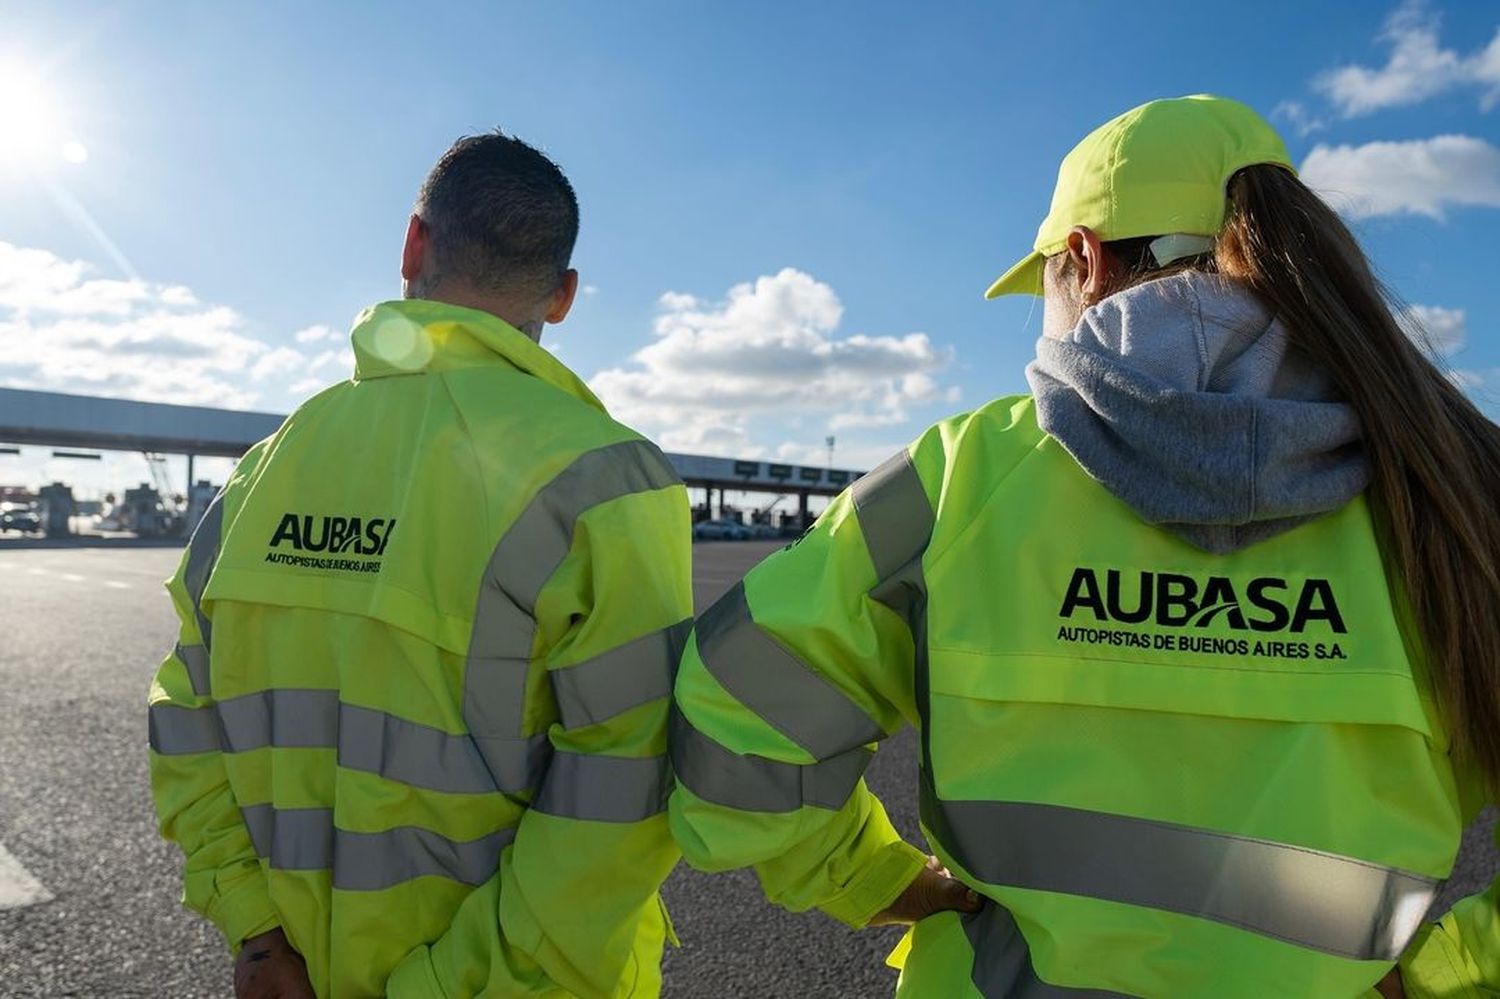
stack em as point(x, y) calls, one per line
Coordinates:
point(502, 216)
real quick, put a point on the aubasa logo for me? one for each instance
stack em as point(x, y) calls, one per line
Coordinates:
point(1175, 601)
point(307, 533)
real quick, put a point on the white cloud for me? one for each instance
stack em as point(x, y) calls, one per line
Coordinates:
point(322, 369)
point(1442, 331)
point(676, 301)
point(1295, 113)
point(178, 295)
point(769, 349)
point(278, 363)
point(1418, 68)
point(314, 334)
point(69, 331)
point(590, 290)
point(860, 456)
point(1419, 177)
point(35, 281)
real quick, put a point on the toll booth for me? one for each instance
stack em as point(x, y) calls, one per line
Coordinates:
point(143, 512)
point(200, 495)
point(55, 508)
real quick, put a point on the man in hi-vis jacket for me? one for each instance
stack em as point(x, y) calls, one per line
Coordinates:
point(412, 738)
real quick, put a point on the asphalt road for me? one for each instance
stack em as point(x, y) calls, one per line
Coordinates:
point(81, 631)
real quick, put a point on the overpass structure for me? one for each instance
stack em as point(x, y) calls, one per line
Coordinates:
point(53, 419)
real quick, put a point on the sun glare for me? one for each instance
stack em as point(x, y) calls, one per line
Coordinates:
point(33, 129)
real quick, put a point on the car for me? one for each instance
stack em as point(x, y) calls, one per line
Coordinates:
point(17, 517)
point(720, 530)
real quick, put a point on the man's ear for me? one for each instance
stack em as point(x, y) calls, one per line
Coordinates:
point(562, 298)
point(414, 250)
point(1092, 264)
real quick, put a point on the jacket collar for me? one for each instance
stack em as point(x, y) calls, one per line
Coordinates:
point(412, 336)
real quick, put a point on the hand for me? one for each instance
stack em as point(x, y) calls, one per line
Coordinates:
point(1391, 986)
point(933, 890)
point(268, 968)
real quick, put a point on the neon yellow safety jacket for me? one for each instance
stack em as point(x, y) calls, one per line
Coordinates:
point(1171, 773)
point(417, 712)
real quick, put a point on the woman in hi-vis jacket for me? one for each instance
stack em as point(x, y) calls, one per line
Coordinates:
point(1201, 637)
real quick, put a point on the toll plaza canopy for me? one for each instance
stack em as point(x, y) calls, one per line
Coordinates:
point(57, 420)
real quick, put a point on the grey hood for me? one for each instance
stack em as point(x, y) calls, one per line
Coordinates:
point(1184, 398)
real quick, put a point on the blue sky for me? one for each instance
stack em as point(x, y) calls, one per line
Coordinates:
point(790, 210)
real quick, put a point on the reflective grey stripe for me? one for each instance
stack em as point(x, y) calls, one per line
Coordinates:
point(285, 718)
point(605, 788)
point(179, 731)
point(625, 677)
point(1002, 961)
point(305, 839)
point(897, 520)
point(374, 861)
point(203, 551)
point(420, 755)
point(291, 839)
point(528, 555)
point(1321, 901)
point(367, 740)
point(195, 658)
point(895, 515)
point(781, 689)
point(756, 784)
point(514, 764)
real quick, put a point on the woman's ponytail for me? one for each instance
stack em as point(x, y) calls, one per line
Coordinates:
point(1435, 459)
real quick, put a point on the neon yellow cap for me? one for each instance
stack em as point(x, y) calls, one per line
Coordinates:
point(1157, 169)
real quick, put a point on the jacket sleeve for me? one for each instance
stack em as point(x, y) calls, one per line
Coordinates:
point(222, 877)
point(1457, 957)
point(786, 684)
point(575, 904)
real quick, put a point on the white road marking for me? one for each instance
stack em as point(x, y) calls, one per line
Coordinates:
point(72, 577)
point(38, 572)
point(17, 886)
point(115, 584)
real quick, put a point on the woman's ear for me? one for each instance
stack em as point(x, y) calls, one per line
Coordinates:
point(1092, 265)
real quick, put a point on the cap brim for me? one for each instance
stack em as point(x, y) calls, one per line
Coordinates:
point(1025, 278)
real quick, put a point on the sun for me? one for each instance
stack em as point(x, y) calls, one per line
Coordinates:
point(33, 129)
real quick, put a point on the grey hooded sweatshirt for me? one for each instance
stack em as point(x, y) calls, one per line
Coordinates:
point(1184, 398)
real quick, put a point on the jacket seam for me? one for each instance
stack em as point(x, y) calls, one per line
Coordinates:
point(930, 556)
point(484, 487)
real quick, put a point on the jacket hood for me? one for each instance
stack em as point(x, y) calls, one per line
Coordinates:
point(1185, 399)
point(413, 335)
